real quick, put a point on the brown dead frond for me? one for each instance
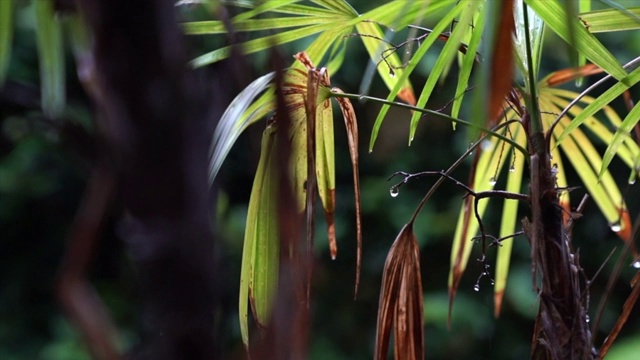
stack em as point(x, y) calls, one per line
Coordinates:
point(401, 301)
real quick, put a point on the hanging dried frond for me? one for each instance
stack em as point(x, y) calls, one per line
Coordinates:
point(401, 300)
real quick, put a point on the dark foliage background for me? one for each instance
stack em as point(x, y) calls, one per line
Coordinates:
point(44, 169)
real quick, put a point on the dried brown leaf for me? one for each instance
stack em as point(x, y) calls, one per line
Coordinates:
point(626, 311)
point(563, 76)
point(401, 300)
point(351, 124)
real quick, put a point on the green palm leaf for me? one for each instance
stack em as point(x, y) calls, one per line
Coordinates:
point(577, 148)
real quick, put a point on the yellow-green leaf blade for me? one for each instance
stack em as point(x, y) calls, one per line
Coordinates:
point(218, 27)
point(608, 20)
point(555, 16)
point(602, 100)
point(622, 134)
point(446, 56)
point(426, 44)
point(390, 70)
point(508, 221)
point(253, 231)
point(255, 45)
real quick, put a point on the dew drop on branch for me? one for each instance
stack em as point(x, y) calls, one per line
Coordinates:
point(394, 191)
point(492, 181)
point(476, 287)
point(636, 264)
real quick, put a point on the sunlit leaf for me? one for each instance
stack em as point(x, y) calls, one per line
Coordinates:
point(621, 136)
point(586, 161)
point(259, 274)
point(451, 47)
point(444, 22)
point(583, 7)
point(608, 20)
point(51, 58)
point(554, 15)
point(339, 6)
point(509, 220)
point(401, 300)
point(262, 43)
point(391, 69)
point(468, 60)
point(218, 27)
point(602, 100)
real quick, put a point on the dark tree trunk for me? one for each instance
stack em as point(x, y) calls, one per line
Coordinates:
point(157, 117)
point(561, 330)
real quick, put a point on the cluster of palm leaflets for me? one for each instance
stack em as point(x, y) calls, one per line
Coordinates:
point(312, 167)
point(478, 35)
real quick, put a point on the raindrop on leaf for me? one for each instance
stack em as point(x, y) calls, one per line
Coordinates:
point(512, 168)
point(615, 227)
point(394, 191)
point(492, 181)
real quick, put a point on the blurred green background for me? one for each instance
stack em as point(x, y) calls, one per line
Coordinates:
point(44, 168)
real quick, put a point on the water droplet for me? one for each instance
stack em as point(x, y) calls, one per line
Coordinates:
point(492, 181)
point(392, 73)
point(632, 181)
point(361, 98)
point(493, 282)
point(476, 287)
point(512, 168)
point(487, 145)
point(615, 227)
point(394, 191)
point(586, 318)
point(636, 264)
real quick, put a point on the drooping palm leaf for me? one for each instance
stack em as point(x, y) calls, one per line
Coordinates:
point(401, 300)
point(259, 274)
point(312, 166)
